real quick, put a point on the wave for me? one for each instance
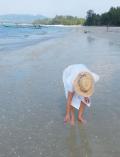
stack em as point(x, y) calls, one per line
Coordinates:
point(14, 25)
point(36, 26)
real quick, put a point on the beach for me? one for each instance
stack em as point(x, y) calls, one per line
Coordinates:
point(32, 99)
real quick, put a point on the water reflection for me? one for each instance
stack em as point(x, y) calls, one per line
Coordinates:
point(78, 143)
point(90, 39)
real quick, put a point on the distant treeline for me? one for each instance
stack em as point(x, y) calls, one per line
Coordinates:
point(61, 20)
point(110, 18)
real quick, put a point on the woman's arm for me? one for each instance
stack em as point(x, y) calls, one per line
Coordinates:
point(69, 100)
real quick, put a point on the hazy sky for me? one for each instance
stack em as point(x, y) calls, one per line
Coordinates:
point(52, 7)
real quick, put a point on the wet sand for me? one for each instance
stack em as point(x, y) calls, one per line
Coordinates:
point(32, 101)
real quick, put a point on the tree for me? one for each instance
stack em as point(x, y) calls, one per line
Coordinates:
point(112, 17)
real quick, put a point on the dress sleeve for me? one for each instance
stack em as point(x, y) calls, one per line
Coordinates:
point(96, 77)
point(69, 85)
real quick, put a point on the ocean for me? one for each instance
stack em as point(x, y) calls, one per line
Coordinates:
point(13, 37)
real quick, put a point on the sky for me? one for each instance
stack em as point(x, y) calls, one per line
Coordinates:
point(50, 8)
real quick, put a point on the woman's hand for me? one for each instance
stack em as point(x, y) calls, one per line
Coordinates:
point(68, 107)
point(86, 100)
point(67, 118)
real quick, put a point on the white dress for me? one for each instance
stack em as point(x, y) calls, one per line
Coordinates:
point(69, 75)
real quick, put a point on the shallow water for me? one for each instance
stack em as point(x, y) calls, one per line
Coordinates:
point(32, 101)
point(13, 38)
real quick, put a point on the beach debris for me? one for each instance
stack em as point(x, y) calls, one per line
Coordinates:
point(85, 31)
point(40, 153)
point(29, 137)
point(96, 136)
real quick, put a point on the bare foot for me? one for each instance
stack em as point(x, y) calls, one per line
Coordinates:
point(82, 120)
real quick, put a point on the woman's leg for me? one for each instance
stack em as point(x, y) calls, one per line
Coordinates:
point(81, 111)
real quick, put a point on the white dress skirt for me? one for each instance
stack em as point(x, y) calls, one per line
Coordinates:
point(76, 100)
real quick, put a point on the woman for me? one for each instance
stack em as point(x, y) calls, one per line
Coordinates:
point(79, 86)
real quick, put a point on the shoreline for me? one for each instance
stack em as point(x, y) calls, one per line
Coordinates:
point(101, 32)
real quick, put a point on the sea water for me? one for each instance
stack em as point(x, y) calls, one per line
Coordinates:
point(13, 37)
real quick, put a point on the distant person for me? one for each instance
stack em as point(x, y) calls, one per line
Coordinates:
point(79, 86)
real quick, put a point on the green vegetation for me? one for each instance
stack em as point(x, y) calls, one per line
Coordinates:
point(111, 18)
point(61, 20)
point(46, 21)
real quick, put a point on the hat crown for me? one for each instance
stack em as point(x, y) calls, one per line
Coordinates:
point(85, 82)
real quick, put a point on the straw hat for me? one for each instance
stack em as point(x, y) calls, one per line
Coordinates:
point(84, 84)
